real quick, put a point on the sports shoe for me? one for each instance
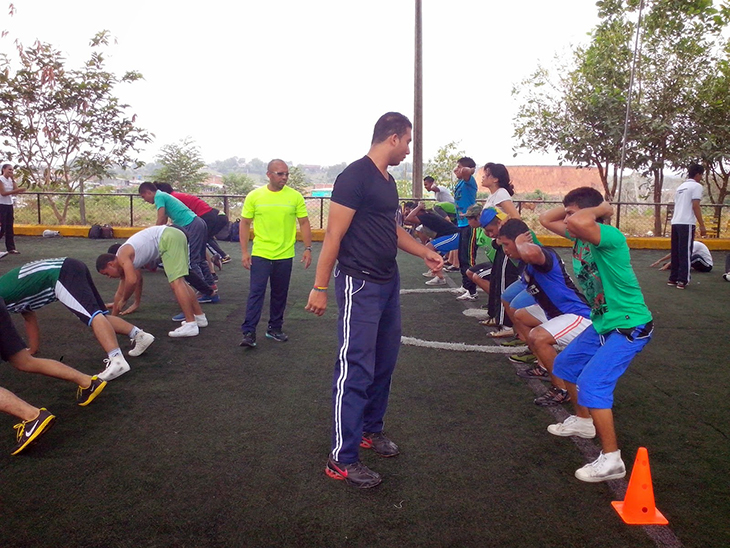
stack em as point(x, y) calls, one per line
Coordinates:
point(3, 254)
point(186, 329)
point(380, 443)
point(29, 431)
point(503, 333)
point(278, 336)
point(537, 372)
point(670, 282)
point(605, 467)
point(226, 259)
point(428, 274)
point(140, 343)
point(249, 339)
point(513, 342)
point(467, 297)
point(574, 426)
point(451, 268)
point(13, 251)
point(681, 285)
point(355, 474)
point(217, 261)
point(726, 276)
point(84, 396)
point(210, 299)
point(554, 396)
point(525, 358)
point(115, 367)
point(200, 319)
point(436, 281)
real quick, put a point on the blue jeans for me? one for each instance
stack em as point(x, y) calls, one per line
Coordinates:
point(262, 271)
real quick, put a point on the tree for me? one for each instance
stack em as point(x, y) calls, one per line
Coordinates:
point(441, 167)
point(62, 126)
point(182, 166)
point(237, 183)
point(297, 179)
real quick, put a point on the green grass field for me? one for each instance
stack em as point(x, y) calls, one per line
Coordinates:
point(204, 443)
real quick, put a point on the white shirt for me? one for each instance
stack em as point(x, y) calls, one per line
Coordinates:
point(146, 244)
point(7, 187)
point(442, 194)
point(698, 248)
point(499, 196)
point(686, 192)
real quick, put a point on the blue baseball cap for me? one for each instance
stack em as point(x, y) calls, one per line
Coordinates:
point(489, 214)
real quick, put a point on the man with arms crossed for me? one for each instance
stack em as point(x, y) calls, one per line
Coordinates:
point(273, 210)
point(363, 237)
point(622, 325)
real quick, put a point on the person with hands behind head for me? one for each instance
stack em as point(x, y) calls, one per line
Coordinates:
point(363, 238)
point(8, 189)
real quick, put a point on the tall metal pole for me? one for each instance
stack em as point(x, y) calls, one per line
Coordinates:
point(418, 110)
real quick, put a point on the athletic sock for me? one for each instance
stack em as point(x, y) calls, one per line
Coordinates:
point(135, 331)
point(116, 352)
point(199, 316)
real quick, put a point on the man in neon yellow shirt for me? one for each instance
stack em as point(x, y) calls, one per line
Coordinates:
point(273, 210)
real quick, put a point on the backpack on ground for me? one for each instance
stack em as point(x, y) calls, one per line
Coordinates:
point(234, 235)
point(99, 232)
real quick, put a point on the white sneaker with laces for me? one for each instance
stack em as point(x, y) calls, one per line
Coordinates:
point(140, 343)
point(186, 329)
point(466, 296)
point(115, 367)
point(201, 320)
point(607, 466)
point(436, 281)
point(574, 426)
point(428, 274)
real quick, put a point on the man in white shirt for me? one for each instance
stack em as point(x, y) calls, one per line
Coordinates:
point(441, 193)
point(8, 189)
point(687, 213)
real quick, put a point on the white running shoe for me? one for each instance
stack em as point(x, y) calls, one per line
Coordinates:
point(574, 426)
point(201, 320)
point(115, 367)
point(608, 466)
point(140, 343)
point(5, 254)
point(186, 329)
point(466, 296)
point(436, 281)
point(427, 274)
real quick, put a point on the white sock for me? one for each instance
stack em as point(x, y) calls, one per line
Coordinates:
point(135, 331)
point(116, 352)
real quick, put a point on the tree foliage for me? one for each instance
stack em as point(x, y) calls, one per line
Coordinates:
point(297, 179)
point(441, 167)
point(63, 126)
point(237, 183)
point(182, 166)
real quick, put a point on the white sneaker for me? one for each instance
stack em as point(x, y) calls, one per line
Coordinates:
point(725, 276)
point(201, 320)
point(115, 367)
point(186, 329)
point(466, 296)
point(5, 254)
point(574, 426)
point(436, 281)
point(427, 274)
point(140, 343)
point(606, 467)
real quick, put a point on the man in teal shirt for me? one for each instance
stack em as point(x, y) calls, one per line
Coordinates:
point(196, 231)
point(622, 325)
point(273, 210)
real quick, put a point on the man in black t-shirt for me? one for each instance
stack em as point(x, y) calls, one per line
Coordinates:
point(362, 236)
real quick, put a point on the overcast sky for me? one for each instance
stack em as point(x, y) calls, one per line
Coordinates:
point(306, 81)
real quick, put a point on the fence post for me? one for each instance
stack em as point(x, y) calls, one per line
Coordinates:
point(225, 205)
point(321, 213)
point(38, 201)
point(618, 215)
point(131, 210)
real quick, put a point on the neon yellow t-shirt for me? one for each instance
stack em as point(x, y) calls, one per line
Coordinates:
point(274, 217)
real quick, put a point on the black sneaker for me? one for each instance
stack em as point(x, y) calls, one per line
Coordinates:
point(84, 396)
point(537, 372)
point(226, 259)
point(355, 474)
point(278, 336)
point(249, 339)
point(554, 396)
point(380, 443)
point(30, 431)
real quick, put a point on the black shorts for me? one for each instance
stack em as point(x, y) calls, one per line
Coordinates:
point(10, 341)
point(483, 270)
point(76, 290)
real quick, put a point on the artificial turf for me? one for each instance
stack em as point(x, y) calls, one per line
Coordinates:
point(204, 443)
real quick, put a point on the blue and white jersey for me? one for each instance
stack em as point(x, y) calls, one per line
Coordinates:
point(553, 289)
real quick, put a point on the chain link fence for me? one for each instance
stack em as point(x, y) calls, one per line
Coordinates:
point(633, 218)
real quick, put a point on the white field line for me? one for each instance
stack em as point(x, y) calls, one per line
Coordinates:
point(462, 347)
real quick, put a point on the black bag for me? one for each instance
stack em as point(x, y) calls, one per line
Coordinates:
point(224, 234)
point(98, 232)
point(234, 235)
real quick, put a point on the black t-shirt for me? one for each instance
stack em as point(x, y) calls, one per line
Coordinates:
point(368, 249)
point(437, 223)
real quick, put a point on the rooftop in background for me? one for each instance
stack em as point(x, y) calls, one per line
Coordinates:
point(551, 180)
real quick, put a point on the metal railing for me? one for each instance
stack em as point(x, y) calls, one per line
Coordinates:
point(56, 208)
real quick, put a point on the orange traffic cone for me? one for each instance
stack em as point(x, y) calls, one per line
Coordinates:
point(638, 507)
